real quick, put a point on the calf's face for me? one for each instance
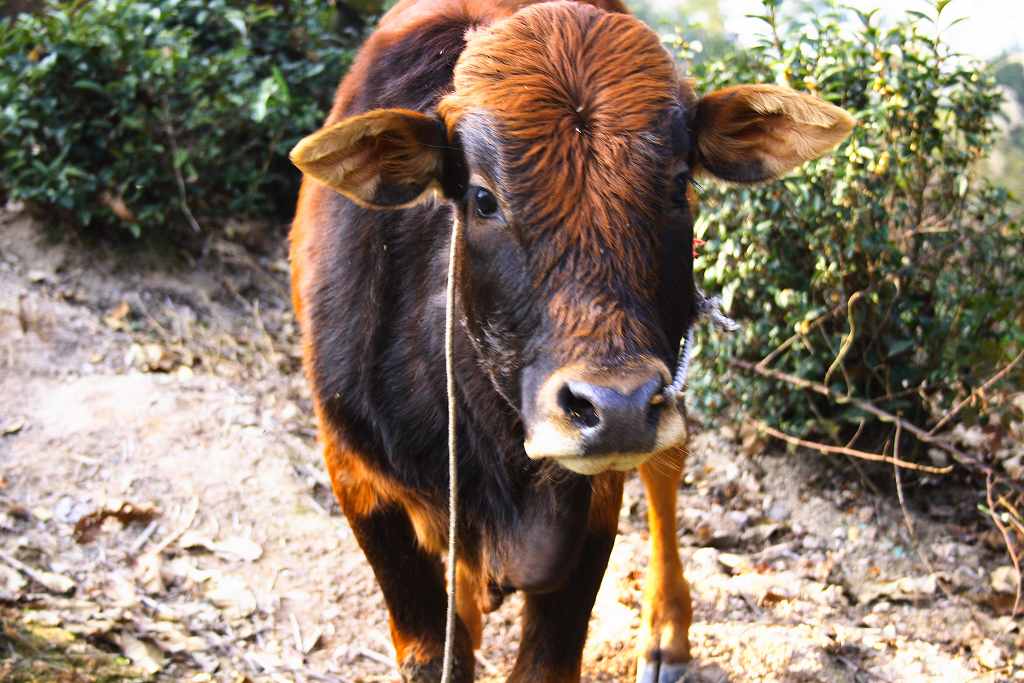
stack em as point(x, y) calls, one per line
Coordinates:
point(568, 147)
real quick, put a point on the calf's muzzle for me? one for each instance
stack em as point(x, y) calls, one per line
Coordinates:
point(594, 419)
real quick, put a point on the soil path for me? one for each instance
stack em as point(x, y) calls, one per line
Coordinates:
point(180, 392)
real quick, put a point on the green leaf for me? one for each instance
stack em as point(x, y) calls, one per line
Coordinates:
point(92, 86)
point(237, 19)
point(268, 88)
point(282, 85)
point(728, 292)
point(900, 346)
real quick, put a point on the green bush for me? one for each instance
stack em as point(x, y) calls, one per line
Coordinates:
point(156, 116)
point(892, 246)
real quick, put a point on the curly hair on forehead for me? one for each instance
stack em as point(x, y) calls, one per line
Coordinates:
point(576, 95)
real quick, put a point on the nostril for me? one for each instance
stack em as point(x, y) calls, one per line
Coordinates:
point(579, 409)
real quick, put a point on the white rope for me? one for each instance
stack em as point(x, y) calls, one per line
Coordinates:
point(449, 368)
point(707, 307)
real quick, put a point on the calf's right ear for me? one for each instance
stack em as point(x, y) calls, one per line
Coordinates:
point(383, 159)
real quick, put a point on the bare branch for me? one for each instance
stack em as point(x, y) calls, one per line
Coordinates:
point(1006, 539)
point(852, 452)
point(866, 406)
point(991, 380)
point(172, 138)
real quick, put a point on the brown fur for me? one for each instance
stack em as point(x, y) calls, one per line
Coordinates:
point(584, 124)
point(667, 609)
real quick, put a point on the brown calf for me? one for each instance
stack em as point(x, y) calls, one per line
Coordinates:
point(563, 139)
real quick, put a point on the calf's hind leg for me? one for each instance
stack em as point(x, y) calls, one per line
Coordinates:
point(411, 577)
point(667, 610)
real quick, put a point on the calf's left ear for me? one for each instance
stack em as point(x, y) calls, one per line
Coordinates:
point(385, 158)
point(752, 133)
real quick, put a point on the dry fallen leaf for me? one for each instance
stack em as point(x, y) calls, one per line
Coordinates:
point(242, 548)
point(908, 588)
point(233, 547)
point(115, 318)
point(149, 572)
point(12, 428)
point(173, 637)
point(89, 526)
point(143, 655)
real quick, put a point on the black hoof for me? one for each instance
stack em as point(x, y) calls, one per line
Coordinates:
point(653, 670)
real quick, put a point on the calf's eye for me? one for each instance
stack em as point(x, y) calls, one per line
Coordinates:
point(486, 204)
point(680, 183)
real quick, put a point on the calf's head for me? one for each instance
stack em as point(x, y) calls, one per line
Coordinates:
point(567, 147)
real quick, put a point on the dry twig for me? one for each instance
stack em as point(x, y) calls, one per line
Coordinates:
point(852, 452)
point(172, 138)
point(991, 380)
point(906, 517)
point(1010, 549)
point(866, 406)
point(820, 320)
point(177, 533)
point(55, 583)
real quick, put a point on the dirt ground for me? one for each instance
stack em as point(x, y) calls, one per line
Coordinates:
point(163, 508)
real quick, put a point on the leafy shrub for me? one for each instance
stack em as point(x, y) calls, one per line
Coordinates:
point(163, 114)
point(890, 261)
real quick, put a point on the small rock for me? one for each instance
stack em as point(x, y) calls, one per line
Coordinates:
point(811, 542)
point(232, 595)
point(989, 655)
point(42, 618)
point(908, 588)
point(735, 563)
point(142, 654)
point(12, 583)
point(706, 559)
point(779, 511)
point(1004, 580)
point(1015, 467)
point(740, 519)
point(763, 532)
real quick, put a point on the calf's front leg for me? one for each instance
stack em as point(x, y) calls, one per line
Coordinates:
point(667, 611)
point(410, 576)
point(555, 623)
